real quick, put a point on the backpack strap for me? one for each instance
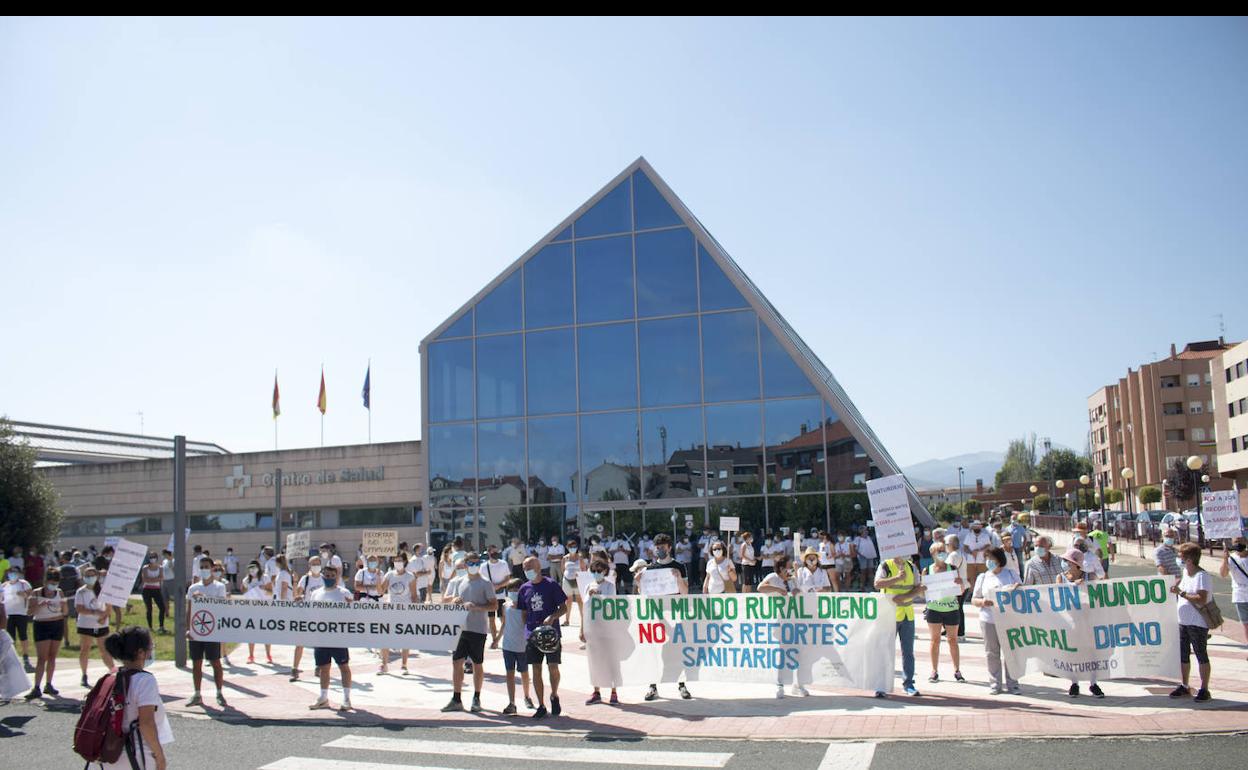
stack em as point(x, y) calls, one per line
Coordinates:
point(1236, 565)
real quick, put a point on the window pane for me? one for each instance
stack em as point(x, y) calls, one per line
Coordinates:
point(734, 456)
point(499, 311)
point(612, 214)
point(450, 381)
point(500, 463)
point(209, 522)
point(730, 356)
point(847, 463)
point(604, 279)
point(671, 451)
point(499, 525)
point(551, 371)
point(609, 457)
point(461, 328)
point(608, 367)
point(81, 527)
point(447, 524)
point(652, 209)
point(718, 293)
point(548, 287)
point(564, 235)
point(750, 510)
point(452, 465)
point(669, 361)
point(545, 521)
point(794, 445)
point(500, 385)
point(552, 460)
point(400, 516)
point(666, 276)
point(781, 374)
point(800, 513)
point(129, 525)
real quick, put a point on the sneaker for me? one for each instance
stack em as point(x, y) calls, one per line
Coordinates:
point(779, 692)
point(48, 689)
point(250, 659)
point(528, 702)
point(294, 675)
point(934, 678)
point(321, 703)
point(1180, 691)
point(381, 670)
point(455, 705)
point(195, 700)
point(34, 694)
point(1203, 695)
point(221, 700)
point(84, 682)
point(1074, 690)
point(1095, 690)
point(684, 691)
point(555, 709)
point(1016, 689)
point(476, 706)
point(595, 698)
point(801, 690)
point(880, 694)
point(540, 713)
point(912, 691)
point(405, 671)
point(615, 699)
point(346, 706)
point(270, 659)
point(996, 689)
point(26, 664)
point(510, 710)
point(652, 693)
point(958, 676)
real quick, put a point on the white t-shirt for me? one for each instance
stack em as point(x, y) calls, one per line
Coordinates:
point(748, 555)
point(1190, 584)
point(335, 595)
point(827, 555)
point(368, 582)
point(399, 585)
point(231, 564)
point(497, 572)
point(957, 560)
point(971, 541)
point(13, 603)
point(543, 559)
point(213, 590)
point(85, 600)
point(775, 581)
point(985, 588)
point(166, 568)
point(866, 548)
point(309, 583)
point(255, 587)
point(810, 582)
point(717, 576)
point(619, 552)
point(47, 607)
point(143, 691)
point(426, 563)
point(769, 554)
point(1239, 580)
point(684, 552)
point(1092, 565)
point(283, 587)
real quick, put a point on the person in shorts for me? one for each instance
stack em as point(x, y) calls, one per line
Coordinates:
point(209, 585)
point(541, 602)
point(92, 622)
point(477, 595)
point(514, 648)
point(943, 614)
point(331, 592)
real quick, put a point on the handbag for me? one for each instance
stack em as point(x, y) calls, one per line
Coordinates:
point(1211, 613)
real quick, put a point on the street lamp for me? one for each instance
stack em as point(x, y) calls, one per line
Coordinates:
point(960, 485)
point(1194, 463)
point(1061, 485)
point(1127, 475)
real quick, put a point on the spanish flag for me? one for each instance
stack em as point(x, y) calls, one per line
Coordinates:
point(277, 398)
point(320, 400)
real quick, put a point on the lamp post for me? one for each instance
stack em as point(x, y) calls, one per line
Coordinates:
point(1194, 463)
point(1061, 485)
point(1084, 481)
point(960, 486)
point(1032, 489)
point(1127, 475)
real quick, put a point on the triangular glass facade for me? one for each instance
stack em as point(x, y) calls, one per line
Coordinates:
point(625, 374)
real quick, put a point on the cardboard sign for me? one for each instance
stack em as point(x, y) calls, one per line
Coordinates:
point(297, 545)
point(729, 523)
point(122, 570)
point(659, 582)
point(1220, 512)
point(941, 585)
point(890, 509)
point(381, 542)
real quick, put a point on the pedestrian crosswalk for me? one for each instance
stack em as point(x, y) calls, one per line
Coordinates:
point(503, 751)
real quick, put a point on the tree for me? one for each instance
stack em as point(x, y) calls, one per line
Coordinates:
point(1087, 499)
point(1063, 464)
point(971, 509)
point(1182, 485)
point(944, 513)
point(29, 513)
point(1020, 461)
point(1041, 503)
point(1113, 496)
point(1150, 495)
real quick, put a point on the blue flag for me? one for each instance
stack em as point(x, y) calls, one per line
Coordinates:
point(367, 387)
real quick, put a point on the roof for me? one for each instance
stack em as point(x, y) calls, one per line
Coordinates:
point(62, 445)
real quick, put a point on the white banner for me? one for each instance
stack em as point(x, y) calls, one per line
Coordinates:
point(890, 509)
point(433, 627)
point(941, 585)
point(729, 523)
point(1221, 514)
point(846, 640)
point(1115, 629)
point(122, 570)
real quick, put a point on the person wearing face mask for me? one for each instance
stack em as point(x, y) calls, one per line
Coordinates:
point(843, 553)
point(1091, 562)
point(331, 592)
point(811, 578)
point(47, 610)
point(259, 587)
point(1194, 590)
point(942, 615)
point(541, 602)
point(303, 591)
point(554, 556)
point(996, 577)
point(398, 586)
point(721, 576)
point(749, 563)
point(514, 555)
point(151, 577)
point(975, 545)
point(925, 550)
point(769, 554)
point(1073, 561)
point(514, 656)
point(330, 558)
point(781, 581)
point(1043, 568)
point(896, 577)
point(602, 587)
point(92, 622)
point(208, 585)
point(476, 594)
point(422, 565)
point(663, 560)
point(144, 720)
point(1235, 566)
point(867, 555)
point(498, 574)
point(368, 580)
point(1165, 557)
point(231, 570)
point(16, 599)
point(571, 564)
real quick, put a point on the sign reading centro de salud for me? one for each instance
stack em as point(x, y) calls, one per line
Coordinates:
point(238, 481)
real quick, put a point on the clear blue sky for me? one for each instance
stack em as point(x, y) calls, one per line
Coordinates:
point(975, 223)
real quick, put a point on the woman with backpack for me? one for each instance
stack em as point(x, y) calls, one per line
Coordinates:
point(47, 609)
point(144, 721)
point(92, 622)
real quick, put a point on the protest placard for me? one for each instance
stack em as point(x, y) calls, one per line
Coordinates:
point(122, 570)
point(890, 510)
point(380, 542)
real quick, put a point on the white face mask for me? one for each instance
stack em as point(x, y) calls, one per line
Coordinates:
point(90, 580)
point(474, 570)
point(400, 566)
point(315, 569)
point(253, 571)
point(205, 573)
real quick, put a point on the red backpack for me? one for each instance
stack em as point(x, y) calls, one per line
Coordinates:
point(100, 735)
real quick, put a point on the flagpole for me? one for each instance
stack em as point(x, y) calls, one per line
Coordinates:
point(370, 401)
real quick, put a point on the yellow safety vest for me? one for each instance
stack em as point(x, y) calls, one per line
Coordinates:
point(904, 611)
